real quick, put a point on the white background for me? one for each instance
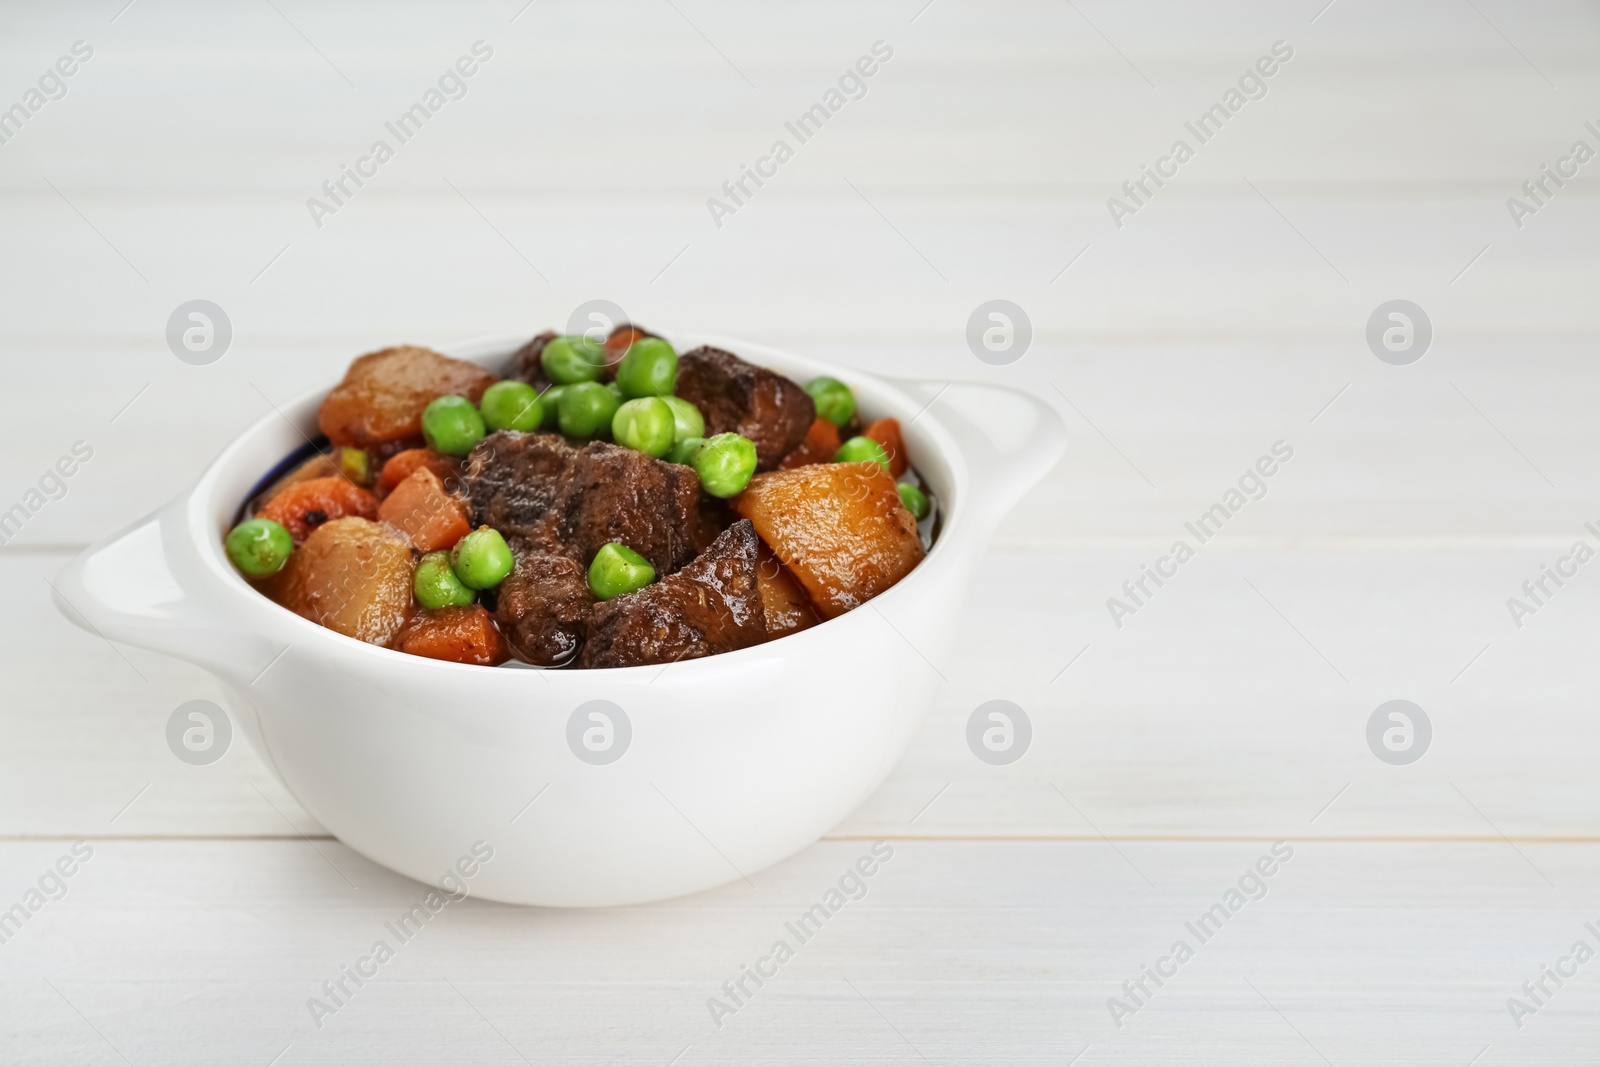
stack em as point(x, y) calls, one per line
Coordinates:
point(1224, 316)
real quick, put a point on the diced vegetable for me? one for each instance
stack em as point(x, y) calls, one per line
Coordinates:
point(452, 425)
point(259, 547)
point(481, 559)
point(587, 408)
point(304, 506)
point(724, 463)
point(862, 450)
point(617, 569)
point(644, 425)
point(835, 402)
point(616, 347)
point(783, 598)
point(511, 406)
point(840, 527)
point(420, 508)
point(821, 442)
point(459, 634)
point(402, 464)
point(384, 393)
point(915, 500)
point(687, 421)
point(886, 432)
point(649, 369)
point(435, 584)
point(571, 359)
point(352, 575)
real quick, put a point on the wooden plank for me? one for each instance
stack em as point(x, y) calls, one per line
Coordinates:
point(1373, 94)
point(1199, 264)
point(999, 952)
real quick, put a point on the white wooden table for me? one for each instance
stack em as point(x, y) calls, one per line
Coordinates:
point(1169, 755)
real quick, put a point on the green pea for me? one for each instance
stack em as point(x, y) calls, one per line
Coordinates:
point(587, 408)
point(482, 559)
point(511, 405)
point(618, 569)
point(644, 425)
point(835, 402)
point(259, 547)
point(649, 369)
point(687, 421)
point(725, 463)
point(551, 400)
point(862, 450)
point(436, 585)
point(567, 360)
point(915, 500)
point(683, 451)
point(452, 425)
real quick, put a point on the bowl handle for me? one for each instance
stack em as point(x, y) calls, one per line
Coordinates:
point(1011, 438)
point(128, 589)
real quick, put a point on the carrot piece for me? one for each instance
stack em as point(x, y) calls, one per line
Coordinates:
point(420, 508)
point(887, 433)
point(458, 634)
point(821, 442)
point(401, 465)
point(304, 506)
point(616, 346)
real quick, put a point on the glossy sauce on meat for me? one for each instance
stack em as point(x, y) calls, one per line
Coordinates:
point(739, 397)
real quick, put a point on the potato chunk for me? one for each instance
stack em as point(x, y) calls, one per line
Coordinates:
point(783, 599)
point(383, 394)
point(352, 575)
point(839, 527)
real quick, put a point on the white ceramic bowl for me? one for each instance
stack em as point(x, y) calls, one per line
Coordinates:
point(735, 761)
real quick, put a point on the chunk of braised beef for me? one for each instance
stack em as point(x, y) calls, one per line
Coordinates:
point(618, 494)
point(540, 488)
point(541, 605)
point(712, 605)
point(711, 518)
point(513, 480)
point(738, 396)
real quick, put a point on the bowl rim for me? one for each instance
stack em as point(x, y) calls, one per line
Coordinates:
point(245, 606)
